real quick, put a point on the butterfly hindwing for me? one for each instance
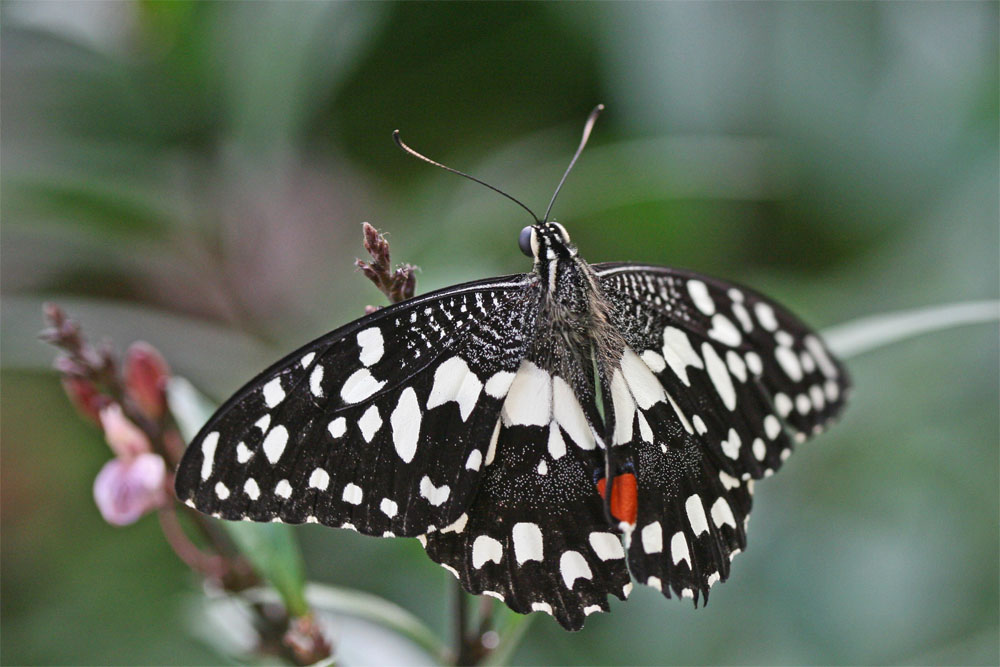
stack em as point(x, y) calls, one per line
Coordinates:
point(691, 516)
point(381, 426)
point(746, 375)
point(536, 535)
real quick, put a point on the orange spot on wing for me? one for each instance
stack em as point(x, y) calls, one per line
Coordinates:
point(624, 497)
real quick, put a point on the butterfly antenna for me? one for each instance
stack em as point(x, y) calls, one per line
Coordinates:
point(407, 149)
point(591, 120)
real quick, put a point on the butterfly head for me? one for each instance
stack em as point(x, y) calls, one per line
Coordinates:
point(546, 242)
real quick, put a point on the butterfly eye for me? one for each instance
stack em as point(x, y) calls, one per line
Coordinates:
point(524, 241)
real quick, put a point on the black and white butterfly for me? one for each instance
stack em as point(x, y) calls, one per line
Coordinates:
point(548, 437)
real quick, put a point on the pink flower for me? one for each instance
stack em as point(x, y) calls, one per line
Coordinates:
point(125, 490)
point(125, 438)
point(146, 374)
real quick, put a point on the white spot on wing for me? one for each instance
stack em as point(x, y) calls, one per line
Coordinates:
point(724, 331)
point(273, 393)
point(372, 347)
point(772, 427)
point(624, 408)
point(679, 548)
point(679, 354)
point(251, 489)
point(491, 451)
point(263, 423)
point(765, 315)
point(274, 443)
point(728, 481)
point(388, 507)
point(789, 362)
point(654, 360)
point(700, 296)
point(642, 384)
point(370, 423)
point(529, 399)
point(243, 453)
point(319, 479)
point(573, 566)
point(722, 513)
point(307, 359)
point(569, 415)
point(337, 427)
point(542, 606)
point(607, 546)
point(453, 381)
point(458, 526)
point(782, 404)
point(736, 366)
point(208, 446)
point(527, 542)
point(699, 425)
point(475, 460)
point(696, 514)
point(719, 375)
point(652, 538)
point(435, 495)
point(283, 489)
point(359, 386)
point(484, 549)
point(759, 449)
point(731, 445)
point(222, 491)
point(818, 352)
point(353, 494)
point(499, 383)
point(405, 421)
point(316, 382)
point(754, 363)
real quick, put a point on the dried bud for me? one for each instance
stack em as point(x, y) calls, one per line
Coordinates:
point(125, 490)
point(84, 397)
point(126, 439)
point(69, 366)
point(410, 284)
point(376, 245)
point(305, 638)
point(146, 375)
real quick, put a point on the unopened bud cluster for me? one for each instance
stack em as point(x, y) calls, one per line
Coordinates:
point(129, 406)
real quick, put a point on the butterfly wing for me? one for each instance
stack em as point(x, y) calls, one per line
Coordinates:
point(536, 534)
point(714, 385)
point(381, 425)
point(747, 375)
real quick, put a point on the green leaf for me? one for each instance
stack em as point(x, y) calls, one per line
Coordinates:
point(271, 548)
point(274, 552)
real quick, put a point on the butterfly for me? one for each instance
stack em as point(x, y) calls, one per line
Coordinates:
point(549, 437)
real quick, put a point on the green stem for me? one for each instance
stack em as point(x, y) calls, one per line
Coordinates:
point(868, 333)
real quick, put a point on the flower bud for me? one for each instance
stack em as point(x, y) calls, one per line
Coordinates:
point(125, 490)
point(146, 375)
point(126, 439)
point(84, 397)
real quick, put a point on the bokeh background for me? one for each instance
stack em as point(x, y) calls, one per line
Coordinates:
point(195, 175)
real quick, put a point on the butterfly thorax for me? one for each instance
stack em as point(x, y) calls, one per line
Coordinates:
point(574, 311)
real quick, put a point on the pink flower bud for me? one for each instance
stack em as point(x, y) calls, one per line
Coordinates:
point(84, 397)
point(126, 439)
point(146, 374)
point(125, 490)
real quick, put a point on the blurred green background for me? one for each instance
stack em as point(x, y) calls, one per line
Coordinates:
point(195, 175)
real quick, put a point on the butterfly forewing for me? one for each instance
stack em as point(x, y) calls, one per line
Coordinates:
point(744, 374)
point(381, 425)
